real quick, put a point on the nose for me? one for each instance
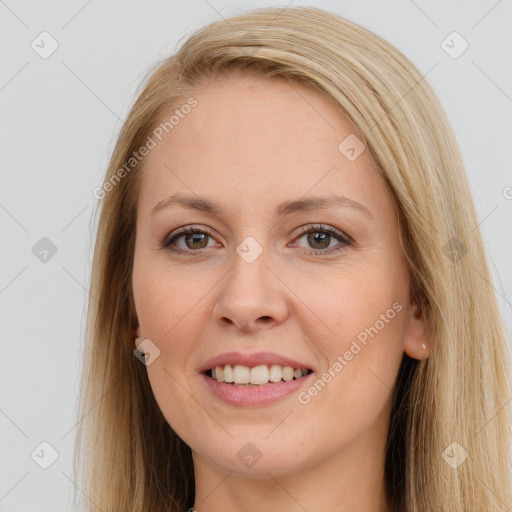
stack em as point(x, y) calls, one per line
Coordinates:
point(251, 296)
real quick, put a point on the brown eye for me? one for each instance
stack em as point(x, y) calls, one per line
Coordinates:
point(319, 239)
point(195, 238)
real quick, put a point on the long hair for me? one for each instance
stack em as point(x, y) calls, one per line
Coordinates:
point(448, 446)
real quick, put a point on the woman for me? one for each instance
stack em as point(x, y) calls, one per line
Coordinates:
point(290, 302)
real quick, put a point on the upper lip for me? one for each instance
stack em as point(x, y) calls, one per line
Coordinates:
point(250, 360)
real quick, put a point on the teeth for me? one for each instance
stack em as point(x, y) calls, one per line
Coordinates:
point(258, 375)
point(287, 372)
point(241, 373)
point(275, 373)
point(229, 375)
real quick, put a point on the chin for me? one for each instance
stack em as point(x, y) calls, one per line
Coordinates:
point(257, 458)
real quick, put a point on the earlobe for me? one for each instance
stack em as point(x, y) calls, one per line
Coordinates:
point(416, 341)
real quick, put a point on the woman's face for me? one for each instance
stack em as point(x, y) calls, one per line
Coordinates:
point(269, 158)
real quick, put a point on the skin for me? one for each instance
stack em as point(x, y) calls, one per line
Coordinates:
point(250, 144)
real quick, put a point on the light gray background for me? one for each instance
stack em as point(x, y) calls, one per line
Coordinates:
point(59, 118)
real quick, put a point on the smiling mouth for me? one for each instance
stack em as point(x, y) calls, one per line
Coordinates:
point(244, 376)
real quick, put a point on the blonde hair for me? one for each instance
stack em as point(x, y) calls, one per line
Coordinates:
point(133, 460)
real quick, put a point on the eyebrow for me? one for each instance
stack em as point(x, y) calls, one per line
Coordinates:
point(285, 208)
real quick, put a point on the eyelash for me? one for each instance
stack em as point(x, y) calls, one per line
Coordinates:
point(303, 230)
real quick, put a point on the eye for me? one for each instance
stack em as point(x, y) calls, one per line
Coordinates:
point(195, 238)
point(319, 237)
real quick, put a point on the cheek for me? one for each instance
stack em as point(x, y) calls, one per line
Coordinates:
point(168, 313)
point(363, 345)
point(166, 301)
point(172, 309)
point(354, 297)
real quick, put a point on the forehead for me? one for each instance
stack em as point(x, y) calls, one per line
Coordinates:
point(255, 136)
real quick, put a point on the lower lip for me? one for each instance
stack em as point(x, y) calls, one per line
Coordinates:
point(254, 395)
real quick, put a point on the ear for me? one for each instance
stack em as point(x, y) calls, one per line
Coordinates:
point(134, 321)
point(416, 342)
point(137, 332)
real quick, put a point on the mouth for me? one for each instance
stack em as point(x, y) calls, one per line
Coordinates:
point(262, 375)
